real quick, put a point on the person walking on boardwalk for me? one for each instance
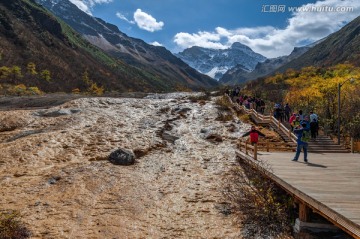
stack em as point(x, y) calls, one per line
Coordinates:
point(254, 135)
point(314, 129)
point(303, 137)
point(287, 110)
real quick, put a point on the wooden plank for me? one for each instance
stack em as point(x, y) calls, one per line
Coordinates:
point(329, 185)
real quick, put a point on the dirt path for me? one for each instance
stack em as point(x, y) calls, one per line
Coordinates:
point(53, 169)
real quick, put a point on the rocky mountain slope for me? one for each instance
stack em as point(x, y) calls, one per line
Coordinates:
point(342, 46)
point(153, 59)
point(215, 63)
point(55, 172)
point(30, 34)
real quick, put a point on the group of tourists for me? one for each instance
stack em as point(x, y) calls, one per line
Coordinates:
point(282, 113)
point(311, 121)
point(249, 102)
point(304, 126)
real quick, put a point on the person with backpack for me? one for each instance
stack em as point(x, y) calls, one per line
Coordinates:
point(303, 137)
point(254, 135)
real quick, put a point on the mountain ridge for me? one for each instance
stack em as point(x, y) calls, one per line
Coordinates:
point(153, 59)
point(342, 46)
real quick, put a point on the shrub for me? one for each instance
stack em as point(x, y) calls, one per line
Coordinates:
point(11, 226)
point(245, 118)
point(205, 96)
point(95, 89)
point(76, 91)
point(18, 89)
point(224, 116)
point(264, 209)
point(34, 91)
point(223, 103)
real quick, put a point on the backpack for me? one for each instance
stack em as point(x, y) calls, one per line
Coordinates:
point(305, 137)
point(254, 137)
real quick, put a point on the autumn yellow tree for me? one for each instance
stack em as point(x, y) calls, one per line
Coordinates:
point(92, 87)
point(4, 72)
point(45, 75)
point(31, 68)
point(16, 73)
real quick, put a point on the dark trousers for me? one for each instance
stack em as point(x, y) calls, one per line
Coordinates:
point(303, 146)
point(313, 133)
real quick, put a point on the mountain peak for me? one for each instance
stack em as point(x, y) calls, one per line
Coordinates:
point(215, 62)
point(238, 45)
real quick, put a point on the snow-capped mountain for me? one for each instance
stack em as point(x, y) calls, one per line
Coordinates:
point(215, 62)
point(237, 75)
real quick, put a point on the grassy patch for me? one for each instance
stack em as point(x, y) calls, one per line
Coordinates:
point(200, 98)
point(245, 118)
point(223, 103)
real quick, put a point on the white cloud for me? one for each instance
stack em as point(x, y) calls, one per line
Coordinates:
point(155, 43)
point(308, 25)
point(202, 39)
point(146, 21)
point(82, 6)
point(86, 5)
point(122, 17)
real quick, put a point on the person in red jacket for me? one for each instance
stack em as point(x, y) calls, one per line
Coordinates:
point(254, 135)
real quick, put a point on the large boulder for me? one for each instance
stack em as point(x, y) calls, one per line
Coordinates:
point(122, 157)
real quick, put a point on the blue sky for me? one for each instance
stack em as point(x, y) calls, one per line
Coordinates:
point(269, 27)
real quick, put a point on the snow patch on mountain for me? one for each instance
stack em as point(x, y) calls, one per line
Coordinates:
point(215, 62)
point(214, 72)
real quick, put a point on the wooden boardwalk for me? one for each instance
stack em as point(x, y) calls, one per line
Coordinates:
point(329, 184)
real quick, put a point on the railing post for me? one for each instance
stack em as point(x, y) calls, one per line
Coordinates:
point(278, 124)
point(255, 151)
point(304, 212)
point(267, 146)
point(246, 148)
point(289, 133)
point(352, 144)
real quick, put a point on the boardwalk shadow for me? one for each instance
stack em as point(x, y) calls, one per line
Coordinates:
point(316, 165)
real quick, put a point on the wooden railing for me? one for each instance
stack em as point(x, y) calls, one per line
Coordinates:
point(284, 129)
point(271, 119)
point(247, 148)
point(352, 144)
point(266, 119)
point(266, 146)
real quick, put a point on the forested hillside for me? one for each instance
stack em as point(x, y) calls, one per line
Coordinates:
point(340, 47)
point(40, 53)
